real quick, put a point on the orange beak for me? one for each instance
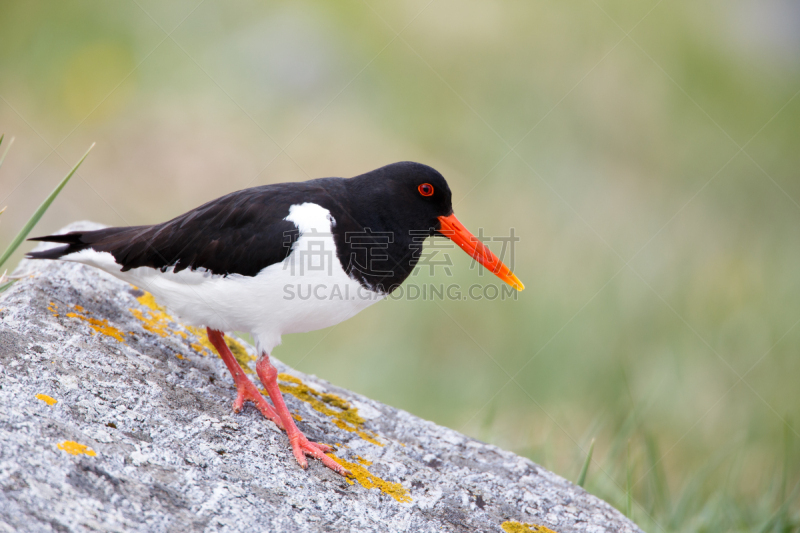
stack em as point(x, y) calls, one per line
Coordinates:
point(456, 232)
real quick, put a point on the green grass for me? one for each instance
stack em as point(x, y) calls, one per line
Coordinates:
point(633, 480)
point(5, 153)
point(37, 215)
point(585, 468)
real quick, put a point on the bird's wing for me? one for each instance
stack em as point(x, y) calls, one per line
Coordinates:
point(240, 233)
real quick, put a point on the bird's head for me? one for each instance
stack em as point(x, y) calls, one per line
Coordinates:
point(416, 197)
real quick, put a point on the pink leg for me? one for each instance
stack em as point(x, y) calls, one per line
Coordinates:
point(245, 389)
point(301, 446)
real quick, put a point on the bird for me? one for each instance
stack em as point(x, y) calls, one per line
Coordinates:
point(250, 261)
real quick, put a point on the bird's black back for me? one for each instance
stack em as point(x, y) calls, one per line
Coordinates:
point(246, 231)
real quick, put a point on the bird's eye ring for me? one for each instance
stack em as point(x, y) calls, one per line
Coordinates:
point(425, 189)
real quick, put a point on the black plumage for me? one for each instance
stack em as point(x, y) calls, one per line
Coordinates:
point(380, 222)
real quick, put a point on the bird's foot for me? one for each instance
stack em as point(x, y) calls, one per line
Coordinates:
point(301, 447)
point(246, 391)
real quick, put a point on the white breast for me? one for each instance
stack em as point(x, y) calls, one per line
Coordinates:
point(309, 290)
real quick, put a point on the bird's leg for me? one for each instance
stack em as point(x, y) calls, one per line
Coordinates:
point(245, 389)
point(301, 446)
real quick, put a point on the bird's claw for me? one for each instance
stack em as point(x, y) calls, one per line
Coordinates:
point(301, 447)
point(244, 394)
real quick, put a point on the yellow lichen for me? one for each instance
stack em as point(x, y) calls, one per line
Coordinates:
point(203, 346)
point(99, 325)
point(239, 352)
point(74, 448)
point(518, 527)
point(344, 415)
point(148, 300)
point(158, 320)
point(46, 399)
point(371, 481)
point(150, 323)
point(197, 347)
point(52, 307)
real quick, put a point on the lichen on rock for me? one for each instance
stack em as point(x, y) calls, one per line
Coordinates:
point(117, 417)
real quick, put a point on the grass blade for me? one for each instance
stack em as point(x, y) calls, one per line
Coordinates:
point(629, 476)
point(659, 491)
point(40, 211)
point(781, 515)
point(585, 469)
point(7, 148)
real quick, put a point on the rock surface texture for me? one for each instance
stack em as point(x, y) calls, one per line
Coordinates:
point(116, 417)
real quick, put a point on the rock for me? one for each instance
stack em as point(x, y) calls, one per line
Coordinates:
point(116, 417)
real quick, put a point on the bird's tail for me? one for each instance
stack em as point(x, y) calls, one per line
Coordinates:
point(75, 241)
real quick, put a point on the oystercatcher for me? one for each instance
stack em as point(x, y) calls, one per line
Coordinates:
point(283, 258)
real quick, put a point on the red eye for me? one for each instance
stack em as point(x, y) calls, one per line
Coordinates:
point(426, 189)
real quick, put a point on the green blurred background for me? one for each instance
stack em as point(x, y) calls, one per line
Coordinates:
point(646, 153)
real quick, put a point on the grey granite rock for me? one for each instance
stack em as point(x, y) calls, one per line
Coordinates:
point(115, 417)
